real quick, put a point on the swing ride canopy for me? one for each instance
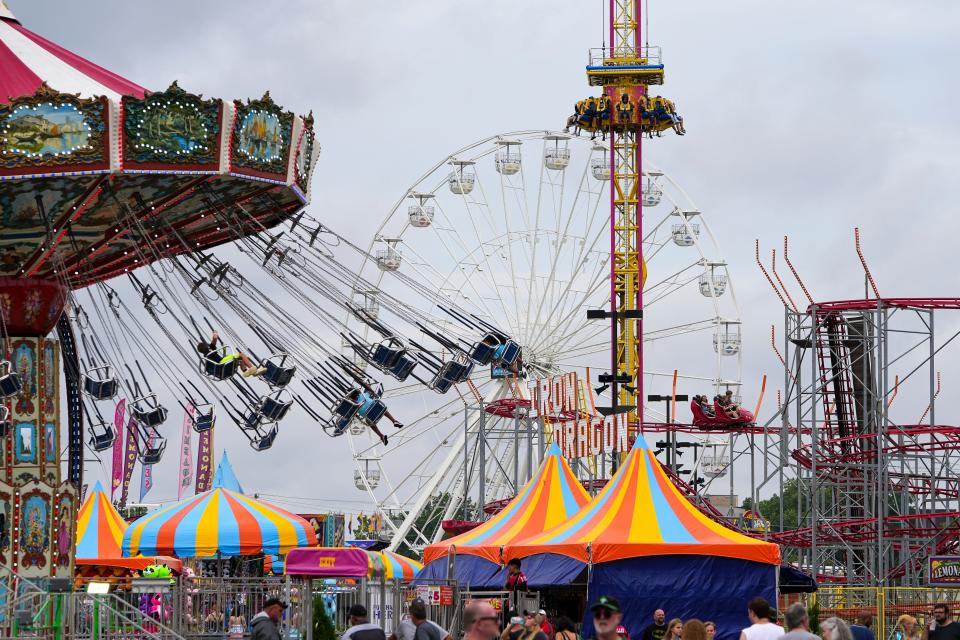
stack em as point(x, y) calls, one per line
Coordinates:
point(100, 531)
point(551, 497)
point(217, 523)
point(104, 176)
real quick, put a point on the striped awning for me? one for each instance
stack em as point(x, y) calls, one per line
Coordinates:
point(397, 566)
point(28, 60)
point(552, 496)
point(219, 522)
point(641, 513)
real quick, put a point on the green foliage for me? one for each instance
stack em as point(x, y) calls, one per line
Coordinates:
point(322, 625)
point(429, 520)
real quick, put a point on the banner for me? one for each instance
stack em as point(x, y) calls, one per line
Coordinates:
point(129, 460)
point(944, 571)
point(146, 473)
point(204, 461)
point(186, 453)
point(117, 469)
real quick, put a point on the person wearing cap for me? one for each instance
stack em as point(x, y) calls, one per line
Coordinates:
point(623, 633)
point(360, 626)
point(266, 624)
point(607, 617)
point(531, 627)
point(545, 625)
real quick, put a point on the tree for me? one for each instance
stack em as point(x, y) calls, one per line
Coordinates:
point(322, 625)
point(429, 521)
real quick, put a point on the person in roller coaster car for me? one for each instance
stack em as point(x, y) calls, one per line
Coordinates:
point(209, 351)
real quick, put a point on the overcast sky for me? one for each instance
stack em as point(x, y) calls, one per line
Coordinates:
point(803, 119)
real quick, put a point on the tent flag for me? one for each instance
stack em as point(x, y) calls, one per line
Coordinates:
point(225, 477)
point(641, 513)
point(119, 419)
point(551, 496)
point(186, 453)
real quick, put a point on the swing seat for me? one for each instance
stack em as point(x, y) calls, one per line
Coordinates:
point(100, 384)
point(460, 371)
point(11, 384)
point(264, 442)
point(484, 351)
point(373, 413)
point(439, 383)
point(102, 436)
point(147, 412)
point(151, 454)
point(278, 373)
point(210, 367)
point(510, 352)
point(274, 408)
point(4, 421)
point(384, 357)
point(204, 418)
point(346, 409)
point(336, 426)
point(403, 368)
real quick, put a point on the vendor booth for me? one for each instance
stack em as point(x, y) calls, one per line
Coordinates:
point(340, 577)
point(645, 544)
point(551, 497)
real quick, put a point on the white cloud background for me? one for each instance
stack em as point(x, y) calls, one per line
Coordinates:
point(804, 119)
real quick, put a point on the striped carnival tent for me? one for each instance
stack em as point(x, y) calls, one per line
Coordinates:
point(23, 52)
point(651, 548)
point(551, 497)
point(218, 523)
point(396, 566)
point(100, 531)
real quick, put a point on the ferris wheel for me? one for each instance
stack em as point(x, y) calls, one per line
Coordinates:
point(515, 230)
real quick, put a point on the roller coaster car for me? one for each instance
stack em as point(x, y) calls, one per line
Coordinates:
point(484, 352)
point(100, 384)
point(148, 412)
point(211, 366)
point(204, 418)
point(102, 436)
point(11, 384)
point(700, 419)
point(278, 373)
point(403, 368)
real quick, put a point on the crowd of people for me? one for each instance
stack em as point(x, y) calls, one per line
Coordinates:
point(482, 622)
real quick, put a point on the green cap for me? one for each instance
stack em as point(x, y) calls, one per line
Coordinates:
point(606, 602)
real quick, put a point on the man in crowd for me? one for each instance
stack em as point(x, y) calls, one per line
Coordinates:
point(360, 626)
point(545, 625)
point(759, 613)
point(480, 622)
point(607, 617)
point(266, 624)
point(798, 623)
point(942, 627)
point(658, 628)
point(407, 629)
point(516, 579)
point(861, 628)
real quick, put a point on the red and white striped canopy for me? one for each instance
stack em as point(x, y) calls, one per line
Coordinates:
point(28, 60)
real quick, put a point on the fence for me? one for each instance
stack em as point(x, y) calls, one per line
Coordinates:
point(885, 604)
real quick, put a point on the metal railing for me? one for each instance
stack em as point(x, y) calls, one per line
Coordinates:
point(885, 604)
point(603, 56)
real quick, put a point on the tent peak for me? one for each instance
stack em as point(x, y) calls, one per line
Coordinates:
point(5, 12)
point(225, 478)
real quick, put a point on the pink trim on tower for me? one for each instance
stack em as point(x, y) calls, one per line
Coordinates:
point(17, 79)
point(105, 77)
